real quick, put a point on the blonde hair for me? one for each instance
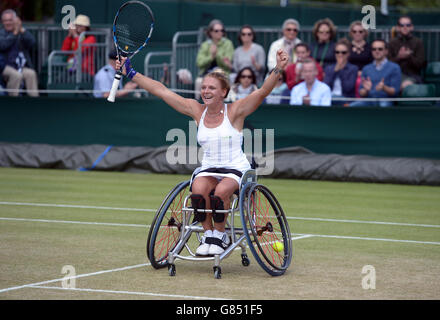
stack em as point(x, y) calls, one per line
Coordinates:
point(222, 77)
point(358, 23)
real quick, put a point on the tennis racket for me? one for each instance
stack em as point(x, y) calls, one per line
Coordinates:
point(132, 29)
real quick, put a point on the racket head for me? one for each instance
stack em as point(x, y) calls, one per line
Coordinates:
point(132, 27)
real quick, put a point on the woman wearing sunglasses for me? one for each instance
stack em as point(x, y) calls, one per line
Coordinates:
point(341, 76)
point(324, 33)
point(245, 83)
point(249, 54)
point(360, 53)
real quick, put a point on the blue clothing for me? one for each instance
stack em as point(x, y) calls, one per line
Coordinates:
point(323, 53)
point(391, 74)
point(320, 95)
point(104, 80)
point(12, 45)
point(347, 76)
point(277, 95)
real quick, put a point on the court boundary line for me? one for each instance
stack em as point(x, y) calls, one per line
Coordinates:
point(305, 235)
point(163, 295)
point(153, 210)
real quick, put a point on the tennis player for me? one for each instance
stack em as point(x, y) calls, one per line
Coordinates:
point(220, 134)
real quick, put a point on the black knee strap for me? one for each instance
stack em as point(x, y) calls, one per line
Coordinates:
point(198, 202)
point(217, 204)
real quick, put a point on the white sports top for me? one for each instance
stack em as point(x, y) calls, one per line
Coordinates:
point(222, 145)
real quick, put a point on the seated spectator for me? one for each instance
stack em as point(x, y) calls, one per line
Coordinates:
point(71, 43)
point(244, 84)
point(15, 44)
point(216, 52)
point(287, 42)
point(360, 53)
point(408, 52)
point(249, 54)
point(281, 93)
point(104, 80)
point(324, 34)
point(293, 71)
point(381, 78)
point(310, 92)
point(341, 76)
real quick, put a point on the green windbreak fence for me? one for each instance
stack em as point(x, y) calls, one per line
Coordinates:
point(173, 16)
point(390, 132)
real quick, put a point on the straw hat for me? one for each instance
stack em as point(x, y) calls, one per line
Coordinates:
point(82, 20)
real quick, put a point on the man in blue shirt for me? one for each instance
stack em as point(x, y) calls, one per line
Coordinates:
point(380, 79)
point(310, 92)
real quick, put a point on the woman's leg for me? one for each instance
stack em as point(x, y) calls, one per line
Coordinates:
point(203, 186)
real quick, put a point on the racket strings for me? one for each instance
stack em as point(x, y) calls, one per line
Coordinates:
point(132, 27)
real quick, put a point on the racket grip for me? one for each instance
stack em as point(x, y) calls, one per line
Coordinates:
point(115, 86)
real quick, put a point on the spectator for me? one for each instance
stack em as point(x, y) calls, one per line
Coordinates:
point(360, 54)
point(281, 93)
point(311, 91)
point(287, 42)
point(216, 52)
point(381, 78)
point(245, 83)
point(408, 52)
point(249, 54)
point(104, 80)
point(71, 43)
point(293, 71)
point(15, 43)
point(341, 76)
point(324, 33)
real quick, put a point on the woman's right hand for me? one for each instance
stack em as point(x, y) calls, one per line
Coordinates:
point(121, 63)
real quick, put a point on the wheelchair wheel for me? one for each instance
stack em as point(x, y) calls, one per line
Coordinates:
point(166, 227)
point(264, 224)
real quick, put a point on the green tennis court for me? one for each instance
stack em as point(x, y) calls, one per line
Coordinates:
point(351, 241)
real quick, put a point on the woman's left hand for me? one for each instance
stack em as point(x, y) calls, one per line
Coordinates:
point(282, 59)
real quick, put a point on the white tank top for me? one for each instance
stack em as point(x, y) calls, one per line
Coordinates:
point(222, 145)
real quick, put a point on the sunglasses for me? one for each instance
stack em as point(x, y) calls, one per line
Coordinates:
point(291, 29)
point(405, 25)
point(377, 49)
point(218, 30)
point(341, 52)
point(322, 32)
point(357, 31)
point(246, 34)
point(245, 76)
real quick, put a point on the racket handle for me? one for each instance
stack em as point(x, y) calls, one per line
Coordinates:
point(115, 86)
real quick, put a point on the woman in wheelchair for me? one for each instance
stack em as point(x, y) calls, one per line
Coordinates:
point(220, 135)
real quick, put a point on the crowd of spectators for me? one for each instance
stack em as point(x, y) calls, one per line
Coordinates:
point(327, 71)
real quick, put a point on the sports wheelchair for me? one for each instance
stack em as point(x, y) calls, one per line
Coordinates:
point(263, 224)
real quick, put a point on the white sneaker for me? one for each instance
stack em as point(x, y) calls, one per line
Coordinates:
point(219, 242)
point(203, 249)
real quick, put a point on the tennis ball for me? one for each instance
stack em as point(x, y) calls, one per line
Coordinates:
point(278, 246)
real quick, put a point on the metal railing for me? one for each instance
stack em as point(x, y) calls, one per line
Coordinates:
point(67, 67)
point(185, 44)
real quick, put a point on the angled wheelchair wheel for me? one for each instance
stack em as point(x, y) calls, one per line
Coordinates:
point(266, 228)
point(166, 227)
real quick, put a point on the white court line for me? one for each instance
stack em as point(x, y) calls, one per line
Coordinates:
point(153, 210)
point(74, 277)
point(147, 226)
point(131, 293)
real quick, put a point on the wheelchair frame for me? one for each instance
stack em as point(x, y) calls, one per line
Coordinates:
point(179, 228)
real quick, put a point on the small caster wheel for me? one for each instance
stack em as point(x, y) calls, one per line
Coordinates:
point(217, 272)
point(172, 270)
point(245, 260)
